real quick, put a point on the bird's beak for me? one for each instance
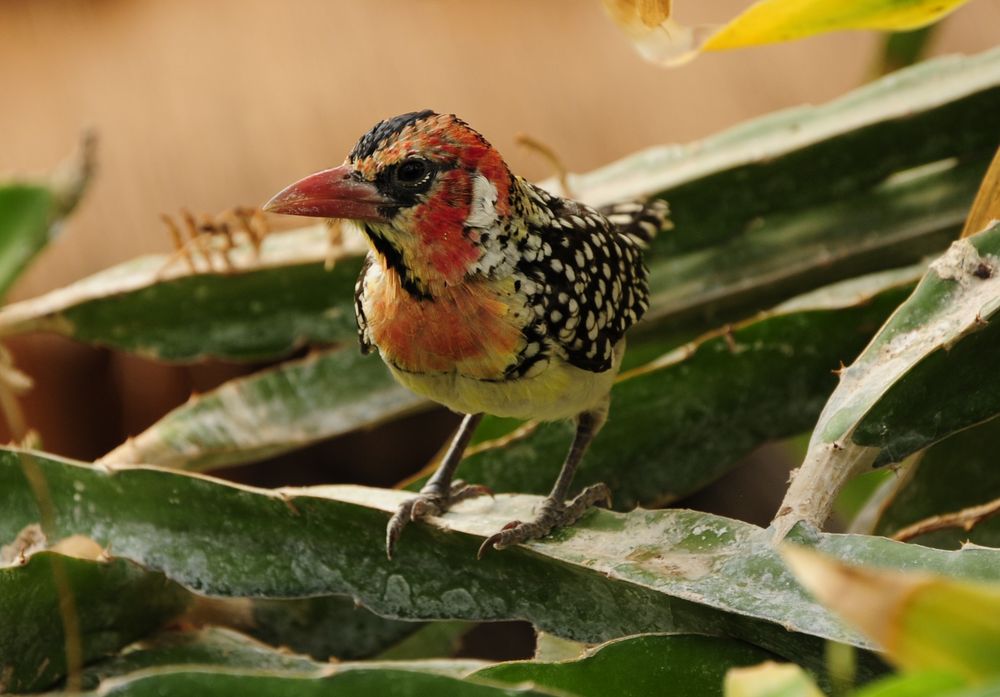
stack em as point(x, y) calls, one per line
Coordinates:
point(332, 193)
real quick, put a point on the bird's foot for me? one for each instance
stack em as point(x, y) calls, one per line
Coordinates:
point(430, 501)
point(553, 514)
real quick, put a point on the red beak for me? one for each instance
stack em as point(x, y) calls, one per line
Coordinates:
point(332, 193)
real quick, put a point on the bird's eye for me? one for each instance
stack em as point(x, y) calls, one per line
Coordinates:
point(413, 173)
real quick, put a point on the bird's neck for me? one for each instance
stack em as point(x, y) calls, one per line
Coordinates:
point(443, 251)
point(427, 262)
point(467, 328)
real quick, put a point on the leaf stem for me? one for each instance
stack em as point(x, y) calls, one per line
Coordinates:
point(817, 482)
point(67, 599)
point(967, 518)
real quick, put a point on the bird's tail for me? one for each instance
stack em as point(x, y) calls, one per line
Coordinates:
point(639, 220)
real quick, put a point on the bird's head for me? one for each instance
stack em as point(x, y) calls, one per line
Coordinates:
point(424, 187)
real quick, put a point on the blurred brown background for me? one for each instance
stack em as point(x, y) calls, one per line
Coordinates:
point(206, 105)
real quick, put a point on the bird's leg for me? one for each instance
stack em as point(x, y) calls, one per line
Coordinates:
point(440, 492)
point(555, 512)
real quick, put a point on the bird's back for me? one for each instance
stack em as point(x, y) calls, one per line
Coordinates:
point(586, 275)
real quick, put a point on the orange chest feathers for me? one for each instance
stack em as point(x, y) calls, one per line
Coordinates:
point(472, 329)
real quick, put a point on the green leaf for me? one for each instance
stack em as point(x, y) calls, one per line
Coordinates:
point(902, 48)
point(636, 666)
point(326, 627)
point(26, 217)
point(770, 680)
point(957, 473)
point(879, 136)
point(926, 684)
point(326, 394)
point(216, 662)
point(358, 680)
point(761, 380)
point(963, 288)
point(215, 650)
point(31, 212)
point(783, 253)
point(119, 602)
point(115, 603)
point(694, 665)
point(926, 374)
point(610, 576)
point(431, 640)
point(887, 191)
point(265, 307)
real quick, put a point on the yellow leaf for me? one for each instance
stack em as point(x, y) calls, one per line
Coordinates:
point(648, 13)
point(770, 21)
point(986, 207)
point(922, 621)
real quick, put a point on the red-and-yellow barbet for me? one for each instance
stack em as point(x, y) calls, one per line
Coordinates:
point(485, 293)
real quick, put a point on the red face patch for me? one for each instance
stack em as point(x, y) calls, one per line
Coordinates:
point(439, 224)
point(431, 233)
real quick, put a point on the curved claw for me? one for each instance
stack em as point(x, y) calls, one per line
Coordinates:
point(495, 539)
point(602, 496)
point(553, 515)
point(394, 529)
point(429, 502)
point(487, 544)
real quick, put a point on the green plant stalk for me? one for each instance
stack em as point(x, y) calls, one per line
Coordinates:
point(67, 601)
point(881, 411)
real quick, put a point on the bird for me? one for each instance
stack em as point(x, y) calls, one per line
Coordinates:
point(486, 293)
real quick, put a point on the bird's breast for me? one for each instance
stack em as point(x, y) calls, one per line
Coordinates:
point(473, 329)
